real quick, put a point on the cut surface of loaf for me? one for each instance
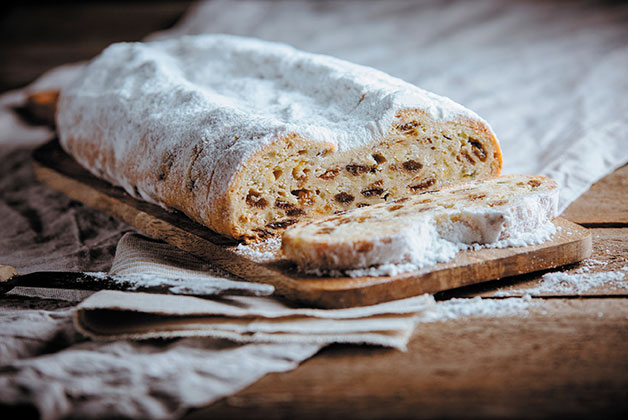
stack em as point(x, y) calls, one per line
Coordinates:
point(428, 228)
point(249, 137)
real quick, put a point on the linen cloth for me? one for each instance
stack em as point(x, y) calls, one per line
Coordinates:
point(110, 315)
point(143, 261)
point(549, 76)
point(47, 364)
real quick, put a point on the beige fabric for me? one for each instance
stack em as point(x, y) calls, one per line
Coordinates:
point(109, 315)
point(142, 261)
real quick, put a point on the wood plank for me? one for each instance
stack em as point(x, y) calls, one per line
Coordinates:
point(55, 168)
point(605, 204)
point(567, 358)
point(610, 254)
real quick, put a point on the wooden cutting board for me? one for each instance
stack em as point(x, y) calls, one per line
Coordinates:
point(54, 167)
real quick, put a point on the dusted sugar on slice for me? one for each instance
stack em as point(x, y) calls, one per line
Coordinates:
point(428, 228)
point(249, 137)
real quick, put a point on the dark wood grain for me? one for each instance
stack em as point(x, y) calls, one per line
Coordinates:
point(564, 359)
point(570, 244)
point(605, 204)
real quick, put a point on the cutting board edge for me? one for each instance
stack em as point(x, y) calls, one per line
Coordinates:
point(202, 245)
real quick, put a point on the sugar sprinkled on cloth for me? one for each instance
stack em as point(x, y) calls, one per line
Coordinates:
point(142, 262)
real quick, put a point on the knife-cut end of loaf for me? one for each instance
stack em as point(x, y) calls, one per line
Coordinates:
point(296, 180)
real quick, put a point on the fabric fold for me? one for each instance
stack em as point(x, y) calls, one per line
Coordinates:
point(112, 315)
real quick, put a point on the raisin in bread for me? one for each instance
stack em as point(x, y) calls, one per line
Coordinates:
point(401, 231)
point(248, 137)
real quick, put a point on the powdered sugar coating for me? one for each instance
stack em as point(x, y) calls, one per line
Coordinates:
point(427, 229)
point(231, 95)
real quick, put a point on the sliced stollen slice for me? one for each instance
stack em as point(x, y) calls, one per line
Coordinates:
point(432, 227)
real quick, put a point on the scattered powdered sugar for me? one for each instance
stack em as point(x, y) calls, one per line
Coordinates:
point(578, 282)
point(264, 251)
point(478, 307)
point(590, 263)
point(100, 275)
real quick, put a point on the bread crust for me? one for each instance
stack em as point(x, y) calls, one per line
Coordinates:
point(153, 119)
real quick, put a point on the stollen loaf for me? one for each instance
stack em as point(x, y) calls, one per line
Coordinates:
point(428, 228)
point(248, 137)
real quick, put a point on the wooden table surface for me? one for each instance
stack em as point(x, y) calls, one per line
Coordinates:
point(567, 358)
